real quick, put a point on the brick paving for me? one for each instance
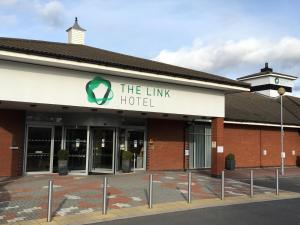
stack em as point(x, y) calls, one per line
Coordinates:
point(25, 198)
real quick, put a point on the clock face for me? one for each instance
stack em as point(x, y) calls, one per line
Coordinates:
point(276, 80)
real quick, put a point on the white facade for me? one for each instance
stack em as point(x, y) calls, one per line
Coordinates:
point(270, 79)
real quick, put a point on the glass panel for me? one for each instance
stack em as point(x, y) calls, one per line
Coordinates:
point(135, 144)
point(103, 145)
point(76, 145)
point(122, 146)
point(199, 156)
point(199, 144)
point(207, 147)
point(57, 146)
point(190, 137)
point(38, 149)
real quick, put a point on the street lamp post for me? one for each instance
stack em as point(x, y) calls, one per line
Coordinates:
point(281, 92)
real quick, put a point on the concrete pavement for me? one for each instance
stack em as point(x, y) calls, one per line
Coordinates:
point(141, 211)
point(26, 198)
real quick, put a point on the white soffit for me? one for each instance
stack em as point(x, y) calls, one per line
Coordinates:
point(260, 124)
point(268, 75)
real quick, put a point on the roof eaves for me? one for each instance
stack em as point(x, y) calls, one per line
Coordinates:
point(261, 74)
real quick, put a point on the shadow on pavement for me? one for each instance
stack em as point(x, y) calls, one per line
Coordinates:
point(266, 177)
point(146, 196)
point(59, 207)
point(182, 194)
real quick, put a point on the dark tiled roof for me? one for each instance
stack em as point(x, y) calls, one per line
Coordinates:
point(292, 104)
point(83, 53)
point(264, 73)
point(254, 107)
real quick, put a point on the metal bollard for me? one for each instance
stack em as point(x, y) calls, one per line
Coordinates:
point(104, 207)
point(222, 185)
point(277, 182)
point(50, 191)
point(150, 190)
point(134, 161)
point(190, 187)
point(251, 184)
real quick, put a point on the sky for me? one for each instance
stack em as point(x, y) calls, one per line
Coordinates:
point(231, 38)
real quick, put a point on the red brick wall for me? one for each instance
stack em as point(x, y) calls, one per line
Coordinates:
point(217, 158)
point(248, 143)
point(167, 150)
point(12, 125)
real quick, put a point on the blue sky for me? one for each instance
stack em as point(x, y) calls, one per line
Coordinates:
point(229, 37)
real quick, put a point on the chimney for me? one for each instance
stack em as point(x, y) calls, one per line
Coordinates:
point(76, 34)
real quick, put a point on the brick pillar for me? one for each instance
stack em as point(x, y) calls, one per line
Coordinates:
point(217, 158)
point(12, 126)
point(165, 145)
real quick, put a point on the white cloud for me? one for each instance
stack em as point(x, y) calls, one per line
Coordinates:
point(238, 56)
point(297, 87)
point(230, 54)
point(51, 12)
point(8, 2)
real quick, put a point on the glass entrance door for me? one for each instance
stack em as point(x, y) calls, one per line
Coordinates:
point(103, 145)
point(39, 149)
point(135, 144)
point(76, 141)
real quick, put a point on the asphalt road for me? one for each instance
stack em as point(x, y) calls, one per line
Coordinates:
point(278, 212)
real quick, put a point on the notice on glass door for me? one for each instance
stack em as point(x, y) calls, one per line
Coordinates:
point(135, 143)
point(77, 143)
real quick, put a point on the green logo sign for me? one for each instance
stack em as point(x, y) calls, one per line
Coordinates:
point(276, 80)
point(96, 83)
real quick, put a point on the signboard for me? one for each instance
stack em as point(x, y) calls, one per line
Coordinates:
point(213, 144)
point(47, 85)
point(220, 149)
point(186, 152)
point(264, 152)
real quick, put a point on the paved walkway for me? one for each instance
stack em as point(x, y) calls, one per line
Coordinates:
point(26, 198)
point(262, 173)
